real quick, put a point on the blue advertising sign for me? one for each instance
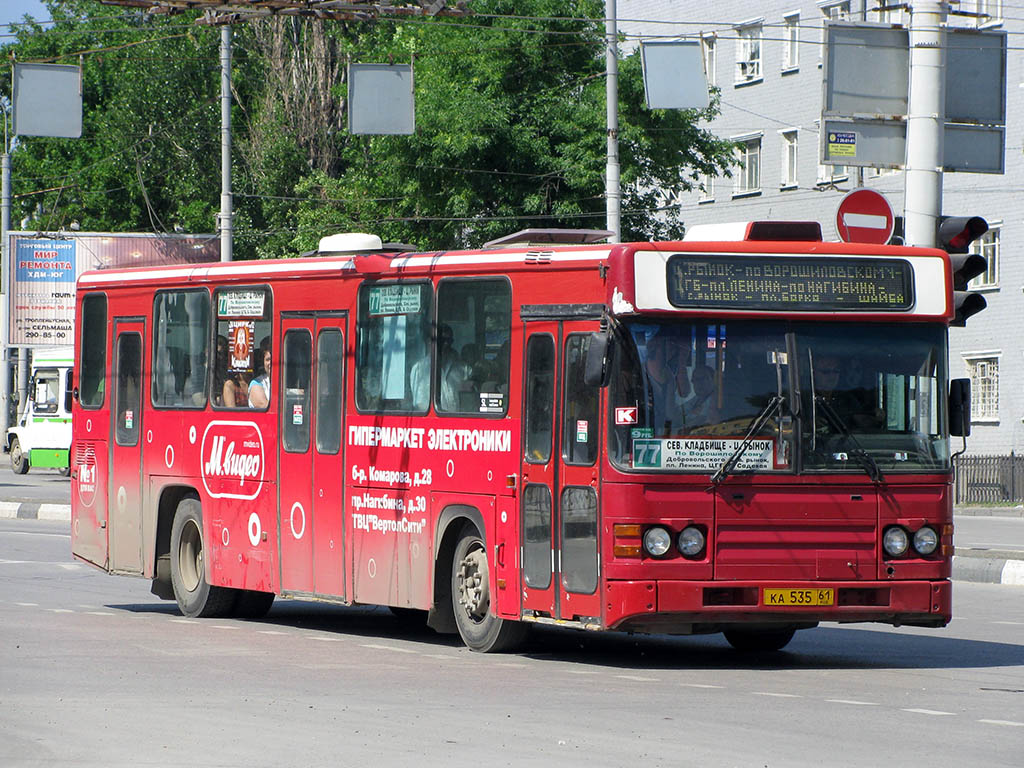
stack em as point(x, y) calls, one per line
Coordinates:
point(45, 260)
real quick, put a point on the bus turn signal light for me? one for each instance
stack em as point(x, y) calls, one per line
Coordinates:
point(626, 540)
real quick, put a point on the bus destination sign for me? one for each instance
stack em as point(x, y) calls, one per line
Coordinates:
point(801, 283)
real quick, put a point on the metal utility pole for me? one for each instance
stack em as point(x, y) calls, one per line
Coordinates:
point(613, 197)
point(922, 200)
point(226, 213)
point(5, 267)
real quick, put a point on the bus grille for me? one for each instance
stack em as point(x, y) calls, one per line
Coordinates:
point(772, 551)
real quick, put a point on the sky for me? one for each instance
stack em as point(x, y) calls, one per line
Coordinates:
point(14, 10)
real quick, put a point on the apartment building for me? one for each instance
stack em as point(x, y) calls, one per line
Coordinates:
point(765, 59)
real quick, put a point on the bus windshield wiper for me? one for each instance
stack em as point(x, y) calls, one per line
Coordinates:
point(863, 458)
point(730, 464)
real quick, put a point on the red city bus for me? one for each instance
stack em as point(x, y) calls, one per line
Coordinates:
point(746, 435)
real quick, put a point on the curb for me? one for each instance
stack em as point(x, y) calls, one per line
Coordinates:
point(34, 510)
point(993, 568)
point(988, 570)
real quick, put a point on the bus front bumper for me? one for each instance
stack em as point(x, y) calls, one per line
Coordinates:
point(685, 607)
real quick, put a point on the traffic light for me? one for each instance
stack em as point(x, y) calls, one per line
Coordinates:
point(956, 233)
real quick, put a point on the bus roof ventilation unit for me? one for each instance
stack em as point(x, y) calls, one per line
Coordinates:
point(549, 236)
point(348, 243)
point(809, 231)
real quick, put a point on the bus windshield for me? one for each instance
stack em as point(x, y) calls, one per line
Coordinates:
point(806, 397)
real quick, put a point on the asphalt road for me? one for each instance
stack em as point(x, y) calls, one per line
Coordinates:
point(95, 671)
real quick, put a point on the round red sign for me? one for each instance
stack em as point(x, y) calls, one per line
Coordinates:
point(865, 216)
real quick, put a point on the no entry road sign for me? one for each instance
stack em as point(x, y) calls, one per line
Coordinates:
point(865, 216)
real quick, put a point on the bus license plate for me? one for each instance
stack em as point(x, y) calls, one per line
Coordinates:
point(799, 597)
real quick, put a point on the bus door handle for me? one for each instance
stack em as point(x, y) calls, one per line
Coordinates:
point(499, 552)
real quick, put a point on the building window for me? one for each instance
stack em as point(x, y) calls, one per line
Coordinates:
point(791, 42)
point(984, 374)
point(789, 159)
point(748, 53)
point(710, 49)
point(888, 14)
point(707, 191)
point(988, 247)
point(748, 178)
point(989, 12)
point(836, 11)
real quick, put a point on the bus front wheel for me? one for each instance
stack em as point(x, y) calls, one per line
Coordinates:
point(195, 596)
point(479, 628)
point(19, 459)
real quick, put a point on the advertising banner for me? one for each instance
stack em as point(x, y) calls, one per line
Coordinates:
point(41, 280)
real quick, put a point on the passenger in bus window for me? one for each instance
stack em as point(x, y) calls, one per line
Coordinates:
point(838, 384)
point(666, 362)
point(452, 372)
point(229, 388)
point(259, 387)
point(700, 406)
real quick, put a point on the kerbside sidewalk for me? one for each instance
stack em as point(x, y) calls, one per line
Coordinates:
point(989, 540)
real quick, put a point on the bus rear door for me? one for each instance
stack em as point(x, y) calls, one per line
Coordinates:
point(311, 461)
point(125, 489)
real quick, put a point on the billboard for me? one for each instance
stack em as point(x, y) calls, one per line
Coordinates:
point(43, 272)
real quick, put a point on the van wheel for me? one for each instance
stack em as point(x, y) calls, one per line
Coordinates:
point(19, 460)
point(480, 629)
point(196, 598)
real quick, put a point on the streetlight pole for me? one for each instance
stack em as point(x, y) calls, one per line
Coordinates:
point(926, 117)
point(226, 214)
point(613, 195)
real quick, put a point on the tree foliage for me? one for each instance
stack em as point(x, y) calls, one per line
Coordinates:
point(510, 129)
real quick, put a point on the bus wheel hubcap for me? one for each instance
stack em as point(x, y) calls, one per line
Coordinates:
point(474, 592)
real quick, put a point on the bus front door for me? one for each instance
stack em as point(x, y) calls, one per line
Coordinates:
point(311, 469)
point(559, 531)
point(125, 488)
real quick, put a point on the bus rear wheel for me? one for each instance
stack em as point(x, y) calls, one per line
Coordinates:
point(759, 639)
point(196, 598)
point(479, 628)
point(19, 459)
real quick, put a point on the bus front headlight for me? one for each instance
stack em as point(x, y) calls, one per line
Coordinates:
point(691, 541)
point(657, 541)
point(926, 540)
point(895, 541)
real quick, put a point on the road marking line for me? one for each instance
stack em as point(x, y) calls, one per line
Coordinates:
point(582, 671)
point(929, 712)
point(778, 695)
point(60, 610)
point(386, 648)
point(638, 678)
point(100, 613)
point(439, 656)
point(270, 632)
point(185, 621)
point(223, 626)
point(509, 664)
point(326, 639)
point(1003, 722)
point(1011, 623)
point(700, 685)
point(28, 605)
point(852, 701)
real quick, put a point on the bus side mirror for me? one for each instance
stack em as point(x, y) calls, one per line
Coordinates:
point(595, 371)
point(960, 407)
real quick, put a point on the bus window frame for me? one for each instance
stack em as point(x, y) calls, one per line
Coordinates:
point(431, 343)
point(208, 388)
point(528, 397)
point(434, 395)
point(269, 312)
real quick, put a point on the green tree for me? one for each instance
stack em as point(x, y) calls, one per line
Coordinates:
point(510, 129)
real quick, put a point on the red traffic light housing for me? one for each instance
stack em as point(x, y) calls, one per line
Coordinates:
point(956, 233)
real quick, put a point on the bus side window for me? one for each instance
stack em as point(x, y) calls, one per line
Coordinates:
point(579, 431)
point(540, 396)
point(295, 373)
point(68, 388)
point(129, 374)
point(93, 370)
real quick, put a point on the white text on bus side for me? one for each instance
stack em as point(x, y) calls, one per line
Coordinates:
point(230, 464)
